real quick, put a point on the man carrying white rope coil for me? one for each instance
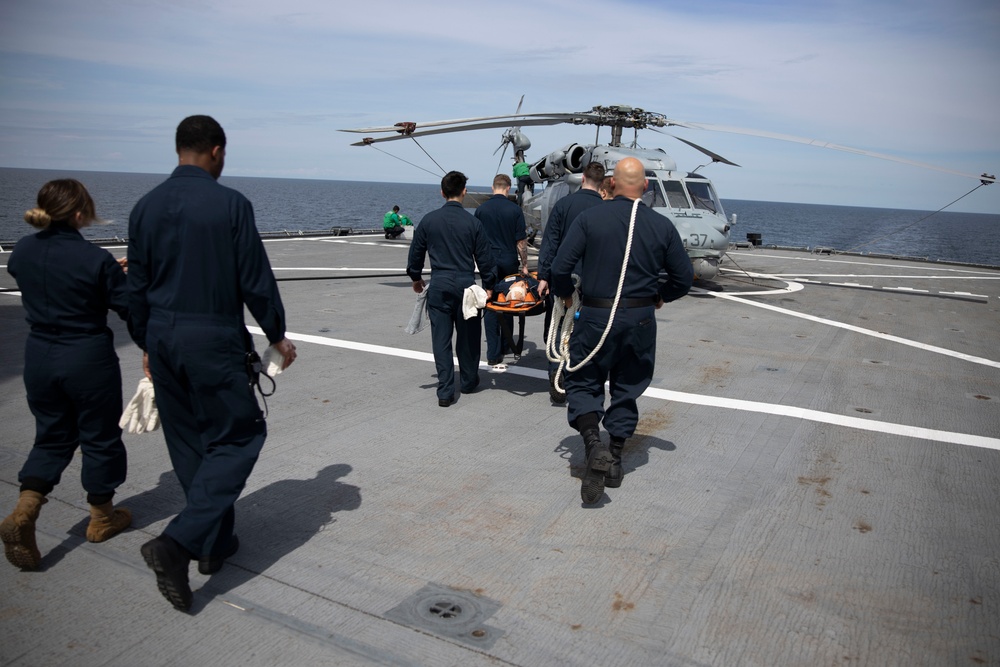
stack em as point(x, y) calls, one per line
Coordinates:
point(623, 247)
point(563, 215)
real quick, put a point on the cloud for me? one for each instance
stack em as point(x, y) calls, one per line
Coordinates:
point(82, 82)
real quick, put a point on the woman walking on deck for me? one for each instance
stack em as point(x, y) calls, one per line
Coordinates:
point(71, 371)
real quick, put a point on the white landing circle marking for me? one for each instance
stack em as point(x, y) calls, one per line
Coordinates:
point(842, 325)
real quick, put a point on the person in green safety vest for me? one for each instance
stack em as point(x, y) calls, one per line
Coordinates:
point(392, 223)
point(522, 174)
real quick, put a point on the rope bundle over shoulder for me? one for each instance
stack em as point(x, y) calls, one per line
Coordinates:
point(557, 344)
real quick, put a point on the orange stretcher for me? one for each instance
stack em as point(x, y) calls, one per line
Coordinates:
point(516, 295)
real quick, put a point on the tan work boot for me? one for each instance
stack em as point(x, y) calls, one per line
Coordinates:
point(18, 531)
point(107, 521)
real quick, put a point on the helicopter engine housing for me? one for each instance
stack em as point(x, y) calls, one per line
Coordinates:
point(570, 159)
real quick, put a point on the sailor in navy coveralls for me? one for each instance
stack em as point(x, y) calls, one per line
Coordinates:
point(503, 221)
point(195, 258)
point(563, 215)
point(71, 372)
point(456, 243)
point(627, 357)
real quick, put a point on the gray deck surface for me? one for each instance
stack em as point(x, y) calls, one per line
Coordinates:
point(815, 480)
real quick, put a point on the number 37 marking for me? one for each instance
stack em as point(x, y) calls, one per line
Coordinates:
point(697, 240)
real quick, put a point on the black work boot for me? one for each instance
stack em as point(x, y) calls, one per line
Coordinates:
point(598, 459)
point(212, 564)
point(169, 561)
point(613, 479)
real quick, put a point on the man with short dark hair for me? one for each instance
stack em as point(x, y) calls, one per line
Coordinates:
point(503, 221)
point(625, 350)
point(195, 260)
point(456, 243)
point(563, 215)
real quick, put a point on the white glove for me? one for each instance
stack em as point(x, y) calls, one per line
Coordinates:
point(141, 415)
point(149, 414)
point(271, 362)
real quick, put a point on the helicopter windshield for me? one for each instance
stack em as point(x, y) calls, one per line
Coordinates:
point(653, 196)
point(702, 196)
point(675, 194)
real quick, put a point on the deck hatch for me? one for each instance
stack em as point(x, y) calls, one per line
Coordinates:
point(449, 613)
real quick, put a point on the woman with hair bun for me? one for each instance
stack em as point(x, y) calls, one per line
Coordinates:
point(71, 371)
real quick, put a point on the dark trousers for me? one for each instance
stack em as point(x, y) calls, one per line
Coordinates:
point(395, 231)
point(74, 388)
point(444, 309)
point(524, 183)
point(625, 361)
point(211, 421)
point(496, 346)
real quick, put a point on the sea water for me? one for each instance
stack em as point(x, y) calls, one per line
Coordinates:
point(282, 204)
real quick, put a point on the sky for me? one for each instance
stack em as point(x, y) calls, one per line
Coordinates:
point(101, 85)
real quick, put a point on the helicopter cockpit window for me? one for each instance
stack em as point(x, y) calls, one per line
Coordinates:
point(702, 196)
point(653, 196)
point(675, 194)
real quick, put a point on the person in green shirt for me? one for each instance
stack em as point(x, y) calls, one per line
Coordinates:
point(392, 223)
point(522, 174)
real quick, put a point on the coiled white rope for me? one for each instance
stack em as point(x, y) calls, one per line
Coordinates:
point(557, 345)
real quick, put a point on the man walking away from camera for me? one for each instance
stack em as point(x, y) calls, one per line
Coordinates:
point(195, 259)
point(563, 215)
point(456, 243)
point(503, 221)
point(627, 357)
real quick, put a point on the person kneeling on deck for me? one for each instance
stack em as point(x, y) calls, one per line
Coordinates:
point(392, 223)
point(598, 239)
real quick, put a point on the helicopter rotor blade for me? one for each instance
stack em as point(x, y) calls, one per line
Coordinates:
point(503, 144)
point(548, 120)
point(502, 155)
point(508, 136)
point(826, 144)
point(715, 156)
point(598, 116)
point(557, 118)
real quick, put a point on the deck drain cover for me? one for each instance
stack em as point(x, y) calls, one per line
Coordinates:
point(449, 613)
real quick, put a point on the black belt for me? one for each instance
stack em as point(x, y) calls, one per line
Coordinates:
point(60, 331)
point(638, 302)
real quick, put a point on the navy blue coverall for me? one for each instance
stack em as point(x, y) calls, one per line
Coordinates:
point(71, 372)
point(195, 258)
point(455, 242)
point(628, 355)
point(503, 221)
point(562, 216)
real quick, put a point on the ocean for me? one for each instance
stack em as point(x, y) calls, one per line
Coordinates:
point(282, 204)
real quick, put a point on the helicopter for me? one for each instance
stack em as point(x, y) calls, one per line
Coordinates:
point(688, 199)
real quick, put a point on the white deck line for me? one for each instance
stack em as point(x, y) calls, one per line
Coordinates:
point(931, 267)
point(693, 399)
point(363, 269)
point(866, 332)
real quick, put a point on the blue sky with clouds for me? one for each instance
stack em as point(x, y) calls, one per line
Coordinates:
point(102, 85)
